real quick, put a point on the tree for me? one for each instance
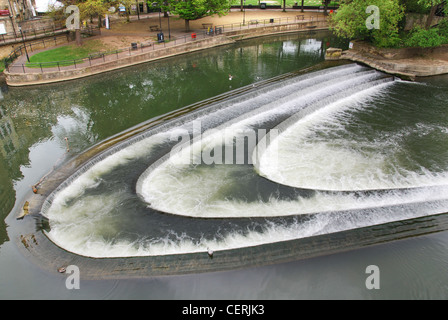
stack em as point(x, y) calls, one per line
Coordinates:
point(87, 9)
point(432, 5)
point(61, 14)
point(127, 4)
point(425, 38)
point(196, 9)
point(56, 13)
point(350, 21)
point(93, 8)
point(326, 3)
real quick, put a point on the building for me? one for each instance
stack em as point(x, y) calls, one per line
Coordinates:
point(13, 13)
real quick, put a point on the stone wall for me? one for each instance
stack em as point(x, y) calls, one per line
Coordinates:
point(37, 24)
point(407, 63)
point(401, 53)
point(9, 25)
point(417, 19)
point(274, 29)
point(22, 79)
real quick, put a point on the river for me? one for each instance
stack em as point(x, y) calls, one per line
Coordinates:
point(380, 134)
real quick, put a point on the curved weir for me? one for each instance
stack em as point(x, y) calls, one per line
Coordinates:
point(285, 159)
point(320, 148)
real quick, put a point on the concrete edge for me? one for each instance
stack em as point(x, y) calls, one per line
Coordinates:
point(208, 43)
point(401, 70)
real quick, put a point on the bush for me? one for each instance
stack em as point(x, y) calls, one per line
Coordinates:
point(350, 21)
point(443, 28)
point(413, 6)
point(420, 37)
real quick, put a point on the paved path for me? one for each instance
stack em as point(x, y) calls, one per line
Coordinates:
point(140, 29)
point(20, 64)
point(22, 73)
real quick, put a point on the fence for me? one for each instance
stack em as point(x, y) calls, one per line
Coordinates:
point(44, 43)
point(31, 34)
point(254, 23)
point(289, 24)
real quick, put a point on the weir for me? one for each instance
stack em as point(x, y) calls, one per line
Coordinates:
point(355, 165)
point(137, 199)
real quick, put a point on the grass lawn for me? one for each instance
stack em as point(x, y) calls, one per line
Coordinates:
point(289, 3)
point(69, 54)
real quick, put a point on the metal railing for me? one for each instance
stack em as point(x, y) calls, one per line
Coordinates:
point(42, 44)
point(291, 24)
point(256, 23)
point(102, 57)
point(32, 33)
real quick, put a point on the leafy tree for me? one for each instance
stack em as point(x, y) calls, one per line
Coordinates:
point(93, 9)
point(432, 5)
point(326, 3)
point(196, 9)
point(87, 9)
point(56, 13)
point(424, 38)
point(443, 28)
point(414, 6)
point(127, 4)
point(350, 21)
point(163, 5)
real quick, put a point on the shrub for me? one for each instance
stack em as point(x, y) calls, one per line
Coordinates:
point(421, 37)
point(443, 28)
point(349, 21)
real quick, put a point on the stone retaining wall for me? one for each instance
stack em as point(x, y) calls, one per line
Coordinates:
point(407, 63)
point(38, 77)
point(24, 79)
point(275, 29)
point(401, 53)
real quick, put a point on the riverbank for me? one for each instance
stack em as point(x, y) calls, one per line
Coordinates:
point(407, 63)
point(256, 24)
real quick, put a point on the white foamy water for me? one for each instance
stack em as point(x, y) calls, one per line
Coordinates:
point(177, 187)
point(80, 234)
point(302, 157)
point(91, 223)
point(200, 192)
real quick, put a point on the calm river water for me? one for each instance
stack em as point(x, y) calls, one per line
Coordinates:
point(391, 136)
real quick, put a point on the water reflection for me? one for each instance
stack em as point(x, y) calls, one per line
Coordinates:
point(9, 143)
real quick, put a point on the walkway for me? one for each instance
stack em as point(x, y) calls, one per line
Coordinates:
point(229, 27)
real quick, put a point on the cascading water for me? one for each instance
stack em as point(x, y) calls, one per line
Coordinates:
point(324, 151)
point(284, 160)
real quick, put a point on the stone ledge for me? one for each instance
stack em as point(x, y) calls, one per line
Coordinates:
point(29, 79)
point(407, 63)
point(408, 69)
point(38, 78)
point(333, 54)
